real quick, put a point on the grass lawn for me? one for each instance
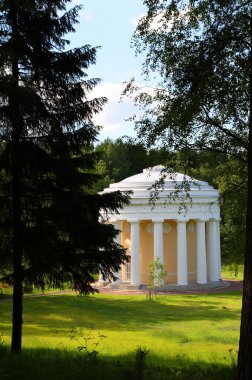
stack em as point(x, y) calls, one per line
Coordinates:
point(178, 330)
point(232, 271)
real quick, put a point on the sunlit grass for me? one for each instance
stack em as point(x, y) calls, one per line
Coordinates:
point(187, 336)
point(232, 271)
point(201, 327)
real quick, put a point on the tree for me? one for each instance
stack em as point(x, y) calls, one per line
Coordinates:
point(124, 158)
point(157, 275)
point(229, 175)
point(51, 221)
point(202, 51)
point(232, 184)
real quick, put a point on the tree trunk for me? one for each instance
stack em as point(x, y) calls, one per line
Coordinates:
point(16, 198)
point(17, 273)
point(244, 369)
point(17, 256)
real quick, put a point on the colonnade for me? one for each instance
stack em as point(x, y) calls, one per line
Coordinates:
point(208, 249)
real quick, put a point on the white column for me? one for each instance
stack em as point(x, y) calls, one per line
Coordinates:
point(201, 253)
point(208, 248)
point(158, 240)
point(135, 253)
point(118, 274)
point(181, 253)
point(218, 247)
point(212, 251)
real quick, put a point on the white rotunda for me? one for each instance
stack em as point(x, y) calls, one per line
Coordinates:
point(187, 241)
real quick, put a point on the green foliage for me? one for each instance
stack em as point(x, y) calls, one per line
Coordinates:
point(157, 274)
point(229, 176)
point(63, 365)
point(51, 220)
point(203, 51)
point(200, 51)
point(53, 214)
point(199, 105)
point(120, 159)
point(156, 277)
point(141, 362)
point(88, 342)
point(233, 271)
point(232, 183)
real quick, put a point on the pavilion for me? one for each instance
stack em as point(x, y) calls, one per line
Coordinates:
point(181, 229)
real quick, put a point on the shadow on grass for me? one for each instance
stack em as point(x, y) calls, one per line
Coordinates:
point(4, 297)
point(41, 364)
point(127, 313)
point(119, 313)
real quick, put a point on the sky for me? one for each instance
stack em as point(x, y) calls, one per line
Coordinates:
point(110, 24)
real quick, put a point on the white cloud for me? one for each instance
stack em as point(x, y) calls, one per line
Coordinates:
point(111, 128)
point(86, 15)
point(112, 117)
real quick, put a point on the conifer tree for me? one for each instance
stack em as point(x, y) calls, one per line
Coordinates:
point(51, 222)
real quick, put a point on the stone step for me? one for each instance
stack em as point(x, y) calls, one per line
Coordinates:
point(124, 286)
point(169, 287)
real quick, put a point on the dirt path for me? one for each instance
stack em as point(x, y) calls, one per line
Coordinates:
point(233, 285)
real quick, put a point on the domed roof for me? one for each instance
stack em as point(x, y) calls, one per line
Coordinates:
point(177, 192)
point(170, 181)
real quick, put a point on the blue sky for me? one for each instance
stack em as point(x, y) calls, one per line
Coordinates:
point(110, 24)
